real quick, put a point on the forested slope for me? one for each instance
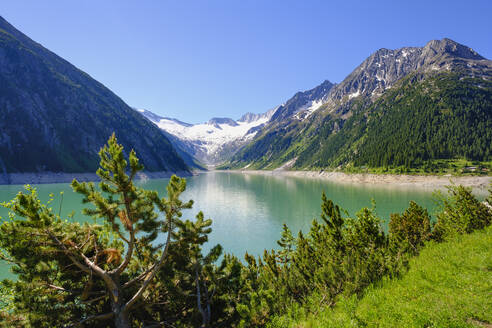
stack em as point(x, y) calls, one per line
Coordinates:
point(405, 108)
point(54, 117)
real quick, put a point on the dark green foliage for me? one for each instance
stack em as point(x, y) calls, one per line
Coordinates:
point(367, 253)
point(461, 213)
point(447, 285)
point(342, 256)
point(410, 229)
point(113, 272)
point(339, 255)
point(442, 117)
point(335, 139)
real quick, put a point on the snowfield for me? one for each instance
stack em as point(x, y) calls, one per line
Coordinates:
point(212, 137)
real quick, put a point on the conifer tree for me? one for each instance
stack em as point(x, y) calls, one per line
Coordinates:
point(411, 228)
point(71, 274)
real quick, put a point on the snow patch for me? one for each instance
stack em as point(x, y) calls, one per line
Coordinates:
point(354, 94)
point(308, 109)
point(315, 104)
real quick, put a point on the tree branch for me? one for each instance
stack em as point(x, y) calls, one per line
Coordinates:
point(94, 299)
point(68, 253)
point(123, 237)
point(89, 265)
point(128, 256)
point(71, 290)
point(131, 243)
point(199, 296)
point(156, 268)
point(140, 277)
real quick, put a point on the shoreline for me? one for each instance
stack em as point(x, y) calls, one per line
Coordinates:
point(61, 177)
point(403, 180)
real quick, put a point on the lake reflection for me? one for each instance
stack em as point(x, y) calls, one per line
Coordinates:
point(248, 210)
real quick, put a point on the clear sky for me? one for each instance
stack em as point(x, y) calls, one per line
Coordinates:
point(194, 60)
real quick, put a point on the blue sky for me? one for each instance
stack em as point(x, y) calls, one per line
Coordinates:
point(194, 60)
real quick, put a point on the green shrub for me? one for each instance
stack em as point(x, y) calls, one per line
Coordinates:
point(460, 213)
point(410, 229)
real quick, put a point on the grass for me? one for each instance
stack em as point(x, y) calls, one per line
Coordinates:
point(447, 285)
point(455, 167)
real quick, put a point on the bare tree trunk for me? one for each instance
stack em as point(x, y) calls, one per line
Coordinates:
point(207, 299)
point(199, 299)
point(121, 317)
point(121, 313)
point(122, 320)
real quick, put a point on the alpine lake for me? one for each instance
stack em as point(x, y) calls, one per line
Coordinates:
point(248, 210)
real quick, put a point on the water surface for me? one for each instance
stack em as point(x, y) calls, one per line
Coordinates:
point(248, 210)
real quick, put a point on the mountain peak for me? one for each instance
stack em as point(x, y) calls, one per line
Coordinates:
point(252, 117)
point(326, 83)
point(448, 46)
point(248, 117)
point(222, 120)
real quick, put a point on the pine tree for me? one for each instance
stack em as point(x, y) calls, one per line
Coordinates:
point(411, 228)
point(73, 274)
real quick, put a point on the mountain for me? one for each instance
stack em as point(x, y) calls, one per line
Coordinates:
point(214, 141)
point(54, 117)
point(399, 107)
point(303, 104)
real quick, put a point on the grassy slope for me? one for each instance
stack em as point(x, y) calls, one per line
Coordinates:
point(448, 285)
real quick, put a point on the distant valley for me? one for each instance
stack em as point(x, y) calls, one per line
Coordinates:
point(214, 141)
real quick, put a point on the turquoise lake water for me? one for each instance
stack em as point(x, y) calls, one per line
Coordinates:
point(248, 210)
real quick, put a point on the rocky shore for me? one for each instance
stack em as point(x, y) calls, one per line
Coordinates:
point(423, 181)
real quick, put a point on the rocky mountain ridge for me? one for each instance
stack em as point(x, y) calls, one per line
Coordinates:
point(296, 125)
point(385, 67)
point(382, 69)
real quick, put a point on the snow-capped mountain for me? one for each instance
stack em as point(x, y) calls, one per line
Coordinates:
point(213, 141)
